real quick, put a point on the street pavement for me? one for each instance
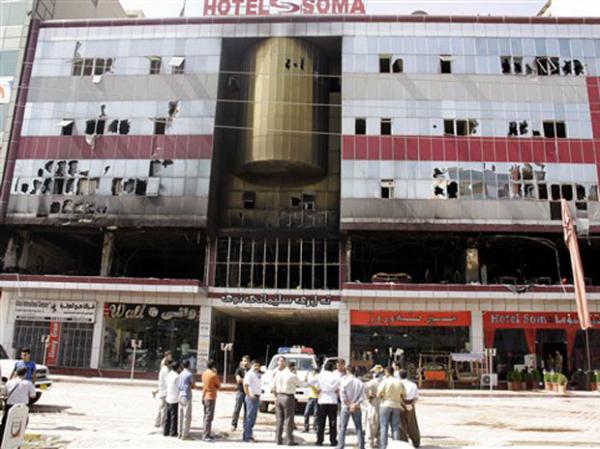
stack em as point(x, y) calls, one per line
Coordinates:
point(121, 416)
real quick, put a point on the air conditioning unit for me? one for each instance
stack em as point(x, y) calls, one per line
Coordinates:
point(489, 379)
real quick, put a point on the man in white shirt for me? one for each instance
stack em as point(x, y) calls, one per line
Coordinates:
point(19, 390)
point(162, 390)
point(351, 395)
point(172, 400)
point(372, 406)
point(328, 384)
point(409, 414)
point(285, 383)
point(252, 390)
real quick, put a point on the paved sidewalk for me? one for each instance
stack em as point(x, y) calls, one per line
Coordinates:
point(75, 415)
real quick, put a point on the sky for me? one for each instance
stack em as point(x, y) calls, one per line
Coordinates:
point(166, 8)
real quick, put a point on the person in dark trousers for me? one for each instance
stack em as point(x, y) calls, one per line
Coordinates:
point(240, 396)
point(328, 384)
point(410, 425)
point(19, 390)
point(252, 388)
point(311, 404)
point(285, 383)
point(172, 400)
point(210, 385)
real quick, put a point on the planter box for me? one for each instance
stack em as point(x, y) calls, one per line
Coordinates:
point(515, 386)
point(554, 387)
point(549, 386)
point(562, 389)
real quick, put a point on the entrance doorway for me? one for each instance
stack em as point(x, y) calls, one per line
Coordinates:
point(259, 332)
point(550, 343)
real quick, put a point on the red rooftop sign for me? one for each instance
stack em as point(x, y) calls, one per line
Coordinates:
point(282, 7)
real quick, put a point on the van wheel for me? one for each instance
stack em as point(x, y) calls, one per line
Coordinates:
point(263, 407)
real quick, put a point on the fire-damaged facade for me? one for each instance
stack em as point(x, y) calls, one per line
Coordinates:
point(357, 184)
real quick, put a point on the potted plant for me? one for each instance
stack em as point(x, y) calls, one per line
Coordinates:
point(597, 380)
point(555, 377)
point(514, 380)
point(562, 383)
point(548, 380)
point(533, 379)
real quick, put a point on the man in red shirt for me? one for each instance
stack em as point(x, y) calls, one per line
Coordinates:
point(210, 386)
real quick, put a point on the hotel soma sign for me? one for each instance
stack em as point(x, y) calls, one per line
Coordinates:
point(283, 7)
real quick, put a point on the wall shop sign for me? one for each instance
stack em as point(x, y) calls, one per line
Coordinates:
point(411, 319)
point(535, 320)
point(150, 312)
point(62, 311)
point(283, 7)
point(53, 344)
point(308, 301)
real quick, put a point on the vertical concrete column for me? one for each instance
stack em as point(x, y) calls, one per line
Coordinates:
point(7, 322)
point(96, 356)
point(344, 331)
point(204, 330)
point(477, 344)
point(108, 246)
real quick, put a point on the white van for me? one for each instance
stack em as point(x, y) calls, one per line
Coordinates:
point(305, 361)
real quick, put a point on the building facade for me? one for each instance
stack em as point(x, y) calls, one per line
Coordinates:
point(358, 184)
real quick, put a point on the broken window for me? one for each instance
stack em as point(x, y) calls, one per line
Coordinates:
point(385, 62)
point(387, 188)
point(87, 186)
point(512, 129)
point(580, 191)
point(129, 186)
point(446, 63)
point(248, 198)
point(360, 126)
point(567, 68)
point(173, 109)
point(153, 186)
point(449, 127)
point(91, 66)
point(308, 201)
point(155, 64)
point(73, 166)
point(70, 187)
point(295, 202)
point(160, 126)
point(461, 127)
point(117, 186)
point(511, 65)
point(547, 65)
point(398, 66)
point(55, 207)
point(386, 126)
point(119, 126)
point(578, 66)
point(95, 126)
point(67, 127)
point(566, 192)
point(77, 68)
point(554, 130)
point(506, 64)
point(140, 187)
point(177, 64)
point(523, 128)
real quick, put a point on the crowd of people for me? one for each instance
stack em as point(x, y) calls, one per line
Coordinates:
point(383, 403)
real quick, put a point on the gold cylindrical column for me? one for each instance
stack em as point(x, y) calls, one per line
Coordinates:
point(285, 111)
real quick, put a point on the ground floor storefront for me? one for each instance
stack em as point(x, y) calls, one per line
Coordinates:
point(87, 325)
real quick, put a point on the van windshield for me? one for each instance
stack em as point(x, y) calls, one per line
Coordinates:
point(302, 363)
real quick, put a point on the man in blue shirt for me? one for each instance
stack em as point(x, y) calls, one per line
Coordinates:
point(26, 363)
point(186, 384)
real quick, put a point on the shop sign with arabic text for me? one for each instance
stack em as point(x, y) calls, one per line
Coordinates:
point(413, 319)
point(535, 320)
point(309, 301)
point(48, 310)
point(151, 312)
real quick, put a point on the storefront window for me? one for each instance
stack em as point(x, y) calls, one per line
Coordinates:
point(160, 328)
point(511, 348)
point(379, 344)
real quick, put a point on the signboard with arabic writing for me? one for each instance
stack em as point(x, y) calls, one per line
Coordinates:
point(535, 320)
point(308, 301)
point(150, 312)
point(63, 311)
point(412, 319)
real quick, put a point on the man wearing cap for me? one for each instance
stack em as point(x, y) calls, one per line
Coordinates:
point(372, 406)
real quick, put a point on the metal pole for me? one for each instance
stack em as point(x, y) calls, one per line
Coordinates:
point(490, 368)
point(133, 362)
point(225, 367)
point(587, 348)
point(46, 340)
